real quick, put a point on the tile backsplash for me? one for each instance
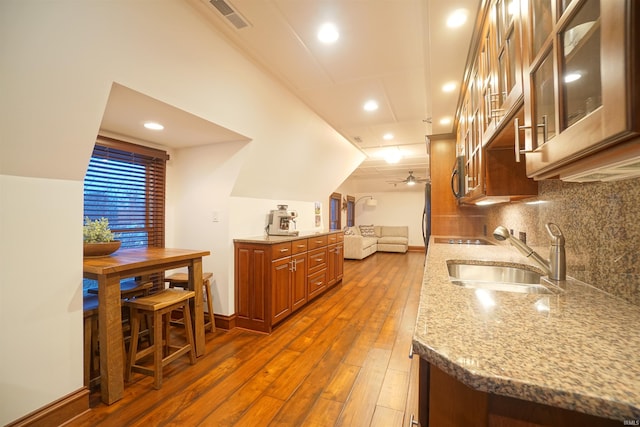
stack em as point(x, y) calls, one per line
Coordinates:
point(601, 225)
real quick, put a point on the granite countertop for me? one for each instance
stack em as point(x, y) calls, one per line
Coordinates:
point(280, 239)
point(577, 349)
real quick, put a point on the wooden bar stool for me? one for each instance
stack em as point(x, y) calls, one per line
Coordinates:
point(181, 280)
point(160, 305)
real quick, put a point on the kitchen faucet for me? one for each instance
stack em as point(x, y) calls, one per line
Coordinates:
point(556, 267)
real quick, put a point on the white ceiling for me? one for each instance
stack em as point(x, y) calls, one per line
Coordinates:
point(127, 110)
point(398, 52)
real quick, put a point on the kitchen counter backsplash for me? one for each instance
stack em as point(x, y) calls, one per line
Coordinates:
point(601, 225)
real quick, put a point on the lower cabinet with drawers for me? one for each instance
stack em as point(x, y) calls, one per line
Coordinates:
point(275, 276)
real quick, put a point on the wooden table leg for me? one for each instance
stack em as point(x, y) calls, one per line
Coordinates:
point(110, 336)
point(195, 284)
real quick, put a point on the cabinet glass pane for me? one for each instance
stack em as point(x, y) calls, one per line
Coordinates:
point(503, 82)
point(544, 101)
point(500, 21)
point(581, 82)
point(563, 5)
point(511, 50)
point(542, 23)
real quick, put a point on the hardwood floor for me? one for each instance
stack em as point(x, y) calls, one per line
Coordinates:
point(340, 361)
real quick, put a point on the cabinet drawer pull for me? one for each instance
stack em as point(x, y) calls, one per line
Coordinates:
point(301, 246)
point(284, 250)
point(318, 260)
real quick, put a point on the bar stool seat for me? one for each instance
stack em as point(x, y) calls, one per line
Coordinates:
point(160, 305)
point(181, 280)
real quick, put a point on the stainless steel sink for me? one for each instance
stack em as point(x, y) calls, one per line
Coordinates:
point(509, 278)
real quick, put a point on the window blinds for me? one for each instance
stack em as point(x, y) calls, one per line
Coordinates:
point(126, 184)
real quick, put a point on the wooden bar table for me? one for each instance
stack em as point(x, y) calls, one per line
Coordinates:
point(126, 263)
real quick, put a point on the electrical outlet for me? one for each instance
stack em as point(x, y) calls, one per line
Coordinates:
point(215, 216)
point(522, 236)
point(511, 231)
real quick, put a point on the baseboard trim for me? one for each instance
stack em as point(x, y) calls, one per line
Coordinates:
point(58, 412)
point(416, 248)
point(225, 322)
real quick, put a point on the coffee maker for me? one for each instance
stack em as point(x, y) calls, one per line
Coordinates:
point(282, 222)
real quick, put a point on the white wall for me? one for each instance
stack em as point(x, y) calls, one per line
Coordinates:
point(59, 60)
point(394, 208)
point(40, 292)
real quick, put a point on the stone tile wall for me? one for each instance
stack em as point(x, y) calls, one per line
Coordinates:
point(601, 225)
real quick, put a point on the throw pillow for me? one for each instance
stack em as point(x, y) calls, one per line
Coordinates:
point(367, 231)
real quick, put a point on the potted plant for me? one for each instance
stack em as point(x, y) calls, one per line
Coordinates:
point(98, 238)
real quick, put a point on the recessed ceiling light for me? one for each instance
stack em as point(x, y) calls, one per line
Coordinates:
point(572, 77)
point(328, 33)
point(153, 126)
point(457, 18)
point(445, 121)
point(392, 155)
point(388, 136)
point(371, 105)
point(449, 87)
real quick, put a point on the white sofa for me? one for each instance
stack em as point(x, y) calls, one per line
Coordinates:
point(362, 241)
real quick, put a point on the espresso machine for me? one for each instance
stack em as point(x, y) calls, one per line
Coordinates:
point(282, 222)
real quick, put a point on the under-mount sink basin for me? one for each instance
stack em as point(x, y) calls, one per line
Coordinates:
point(496, 277)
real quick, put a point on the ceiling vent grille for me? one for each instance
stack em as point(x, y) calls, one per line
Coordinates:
point(227, 11)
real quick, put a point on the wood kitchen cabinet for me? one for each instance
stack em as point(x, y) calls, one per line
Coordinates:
point(500, 61)
point(335, 259)
point(444, 400)
point(492, 99)
point(582, 103)
point(275, 276)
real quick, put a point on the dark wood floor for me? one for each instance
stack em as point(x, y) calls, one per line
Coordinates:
point(340, 361)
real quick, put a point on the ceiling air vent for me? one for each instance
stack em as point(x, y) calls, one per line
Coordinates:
point(227, 11)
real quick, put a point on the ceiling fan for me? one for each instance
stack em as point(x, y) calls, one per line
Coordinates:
point(409, 180)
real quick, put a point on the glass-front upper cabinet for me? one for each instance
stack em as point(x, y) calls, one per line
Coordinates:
point(508, 58)
point(581, 65)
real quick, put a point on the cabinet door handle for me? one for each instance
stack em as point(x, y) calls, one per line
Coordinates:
point(411, 352)
point(413, 421)
point(528, 148)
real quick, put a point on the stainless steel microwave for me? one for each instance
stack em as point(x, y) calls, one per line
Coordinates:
point(457, 178)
